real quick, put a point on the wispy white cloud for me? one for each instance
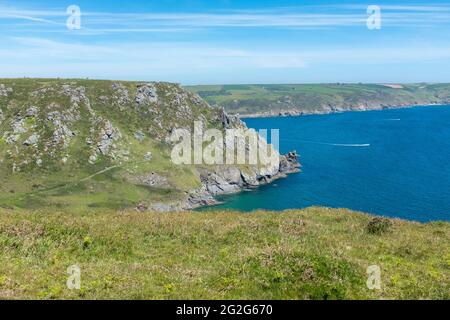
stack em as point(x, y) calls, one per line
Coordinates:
point(188, 62)
point(404, 8)
point(295, 17)
point(8, 12)
point(38, 48)
point(162, 55)
point(152, 55)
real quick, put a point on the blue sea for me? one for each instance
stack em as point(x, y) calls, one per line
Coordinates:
point(393, 163)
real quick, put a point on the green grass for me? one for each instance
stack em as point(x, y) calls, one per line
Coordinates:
point(316, 253)
point(319, 98)
point(27, 185)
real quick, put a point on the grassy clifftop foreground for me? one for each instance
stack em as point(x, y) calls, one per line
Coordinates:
point(298, 99)
point(315, 253)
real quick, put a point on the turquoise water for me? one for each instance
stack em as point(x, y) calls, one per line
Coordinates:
point(394, 163)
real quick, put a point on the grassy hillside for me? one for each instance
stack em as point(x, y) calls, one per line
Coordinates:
point(319, 98)
point(314, 253)
point(57, 137)
point(89, 144)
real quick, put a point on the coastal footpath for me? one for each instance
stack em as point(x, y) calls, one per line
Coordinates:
point(306, 99)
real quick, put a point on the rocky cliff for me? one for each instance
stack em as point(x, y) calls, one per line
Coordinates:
point(84, 143)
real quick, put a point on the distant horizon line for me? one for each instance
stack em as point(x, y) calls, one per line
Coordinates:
point(227, 84)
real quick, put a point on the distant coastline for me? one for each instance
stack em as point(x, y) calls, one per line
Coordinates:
point(257, 101)
point(290, 113)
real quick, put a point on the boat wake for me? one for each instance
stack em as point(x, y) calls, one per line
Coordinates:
point(361, 145)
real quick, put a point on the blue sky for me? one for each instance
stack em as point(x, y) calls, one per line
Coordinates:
point(227, 41)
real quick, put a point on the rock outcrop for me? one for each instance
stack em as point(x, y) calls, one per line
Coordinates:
point(230, 179)
point(146, 95)
point(227, 179)
point(5, 91)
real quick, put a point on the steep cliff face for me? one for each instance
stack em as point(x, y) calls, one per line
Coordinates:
point(83, 143)
point(226, 179)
